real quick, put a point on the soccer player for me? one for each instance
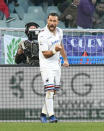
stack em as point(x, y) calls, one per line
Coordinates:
point(50, 49)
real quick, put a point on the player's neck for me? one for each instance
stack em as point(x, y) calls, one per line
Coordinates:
point(53, 32)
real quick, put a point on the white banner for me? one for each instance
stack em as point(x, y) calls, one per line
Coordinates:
point(10, 47)
point(81, 94)
point(22, 87)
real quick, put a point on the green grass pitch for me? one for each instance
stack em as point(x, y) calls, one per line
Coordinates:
point(61, 126)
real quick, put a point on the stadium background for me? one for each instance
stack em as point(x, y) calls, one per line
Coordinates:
point(81, 98)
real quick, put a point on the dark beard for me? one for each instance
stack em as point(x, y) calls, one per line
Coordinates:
point(52, 27)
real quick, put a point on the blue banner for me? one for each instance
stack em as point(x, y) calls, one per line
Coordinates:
point(84, 45)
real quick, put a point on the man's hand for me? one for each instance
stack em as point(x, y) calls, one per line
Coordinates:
point(58, 47)
point(66, 64)
point(20, 51)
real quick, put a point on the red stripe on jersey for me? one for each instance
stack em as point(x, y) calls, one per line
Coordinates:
point(48, 86)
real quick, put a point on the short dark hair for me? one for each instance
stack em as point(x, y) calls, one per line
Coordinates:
point(53, 14)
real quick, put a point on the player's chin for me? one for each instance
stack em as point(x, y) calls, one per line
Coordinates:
point(52, 28)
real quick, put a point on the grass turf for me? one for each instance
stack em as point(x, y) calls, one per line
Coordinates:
point(65, 126)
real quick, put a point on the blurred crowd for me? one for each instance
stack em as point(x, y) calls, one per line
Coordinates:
point(83, 14)
point(74, 13)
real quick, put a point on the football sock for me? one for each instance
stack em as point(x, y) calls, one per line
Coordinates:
point(49, 103)
point(44, 109)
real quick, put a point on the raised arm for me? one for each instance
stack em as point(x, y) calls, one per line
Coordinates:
point(63, 54)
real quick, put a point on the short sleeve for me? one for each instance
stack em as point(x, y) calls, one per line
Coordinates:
point(61, 35)
point(43, 46)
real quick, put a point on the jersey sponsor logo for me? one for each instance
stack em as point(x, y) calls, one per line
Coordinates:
point(54, 42)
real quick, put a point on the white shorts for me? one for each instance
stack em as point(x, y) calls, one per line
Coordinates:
point(51, 79)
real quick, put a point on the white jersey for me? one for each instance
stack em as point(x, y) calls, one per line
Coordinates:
point(47, 41)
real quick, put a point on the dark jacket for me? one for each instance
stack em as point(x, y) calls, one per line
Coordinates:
point(30, 55)
point(71, 10)
point(85, 14)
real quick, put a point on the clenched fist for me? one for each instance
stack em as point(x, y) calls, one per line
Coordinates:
point(58, 47)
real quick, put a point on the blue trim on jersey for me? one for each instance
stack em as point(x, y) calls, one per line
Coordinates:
point(52, 88)
point(57, 87)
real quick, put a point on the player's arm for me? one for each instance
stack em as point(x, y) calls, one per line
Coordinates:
point(47, 54)
point(63, 54)
point(43, 47)
point(50, 53)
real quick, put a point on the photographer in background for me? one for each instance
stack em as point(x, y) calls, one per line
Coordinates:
point(69, 15)
point(28, 50)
